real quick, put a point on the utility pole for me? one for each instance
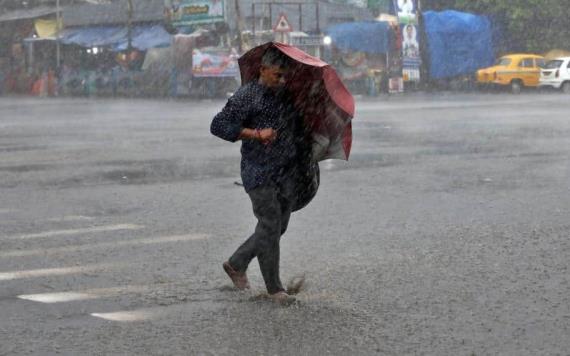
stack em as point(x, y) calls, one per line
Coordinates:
point(300, 17)
point(253, 19)
point(129, 32)
point(239, 26)
point(317, 15)
point(129, 25)
point(58, 29)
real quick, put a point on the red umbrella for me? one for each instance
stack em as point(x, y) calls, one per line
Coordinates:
point(318, 92)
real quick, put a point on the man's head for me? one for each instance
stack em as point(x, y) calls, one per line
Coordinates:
point(273, 67)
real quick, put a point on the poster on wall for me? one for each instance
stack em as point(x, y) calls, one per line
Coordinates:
point(215, 63)
point(396, 85)
point(406, 10)
point(411, 53)
point(193, 12)
point(411, 59)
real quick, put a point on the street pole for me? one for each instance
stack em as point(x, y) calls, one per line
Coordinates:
point(129, 32)
point(253, 20)
point(58, 29)
point(300, 17)
point(270, 15)
point(239, 26)
point(129, 25)
point(317, 15)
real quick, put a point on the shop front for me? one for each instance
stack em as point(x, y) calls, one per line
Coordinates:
point(206, 57)
point(28, 51)
point(108, 60)
point(361, 52)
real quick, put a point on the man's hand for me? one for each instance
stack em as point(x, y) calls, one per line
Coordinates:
point(266, 136)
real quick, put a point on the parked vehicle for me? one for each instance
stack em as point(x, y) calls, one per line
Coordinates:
point(515, 71)
point(556, 74)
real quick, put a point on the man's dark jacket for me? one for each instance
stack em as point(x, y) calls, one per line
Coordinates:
point(255, 106)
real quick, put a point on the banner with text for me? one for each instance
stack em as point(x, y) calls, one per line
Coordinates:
point(193, 12)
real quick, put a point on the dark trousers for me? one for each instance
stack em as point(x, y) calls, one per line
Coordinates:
point(272, 205)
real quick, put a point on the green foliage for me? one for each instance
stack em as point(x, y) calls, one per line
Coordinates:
point(379, 5)
point(530, 25)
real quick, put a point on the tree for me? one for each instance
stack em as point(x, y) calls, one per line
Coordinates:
point(529, 25)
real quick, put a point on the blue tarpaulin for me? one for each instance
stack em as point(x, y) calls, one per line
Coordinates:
point(116, 37)
point(145, 37)
point(93, 36)
point(458, 43)
point(363, 36)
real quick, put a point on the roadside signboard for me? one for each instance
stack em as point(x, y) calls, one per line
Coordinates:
point(406, 10)
point(282, 25)
point(411, 59)
point(215, 63)
point(283, 28)
point(300, 41)
point(193, 12)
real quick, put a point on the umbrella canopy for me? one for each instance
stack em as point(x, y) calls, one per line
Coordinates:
point(319, 95)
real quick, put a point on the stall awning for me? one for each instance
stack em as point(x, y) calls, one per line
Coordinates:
point(96, 36)
point(143, 37)
point(23, 14)
point(362, 36)
point(46, 28)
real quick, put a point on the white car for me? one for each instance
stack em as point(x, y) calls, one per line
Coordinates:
point(556, 74)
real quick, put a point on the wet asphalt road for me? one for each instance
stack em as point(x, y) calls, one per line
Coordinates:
point(446, 233)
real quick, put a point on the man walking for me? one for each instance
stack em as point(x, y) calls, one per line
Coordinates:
point(261, 117)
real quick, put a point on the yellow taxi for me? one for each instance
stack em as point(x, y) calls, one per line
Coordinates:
point(514, 70)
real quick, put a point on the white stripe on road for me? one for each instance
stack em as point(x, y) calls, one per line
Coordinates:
point(8, 276)
point(77, 231)
point(103, 245)
point(124, 316)
point(7, 211)
point(60, 297)
point(57, 297)
point(71, 218)
point(161, 312)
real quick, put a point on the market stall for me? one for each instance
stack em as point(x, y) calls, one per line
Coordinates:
point(360, 52)
point(107, 60)
point(205, 62)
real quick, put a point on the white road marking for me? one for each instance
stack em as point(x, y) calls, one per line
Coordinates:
point(103, 245)
point(124, 316)
point(77, 231)
point(71, 218)
point(175, 310)
point(61, 297)
point(57, 297)
point(7, 211)
point(8, 276)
